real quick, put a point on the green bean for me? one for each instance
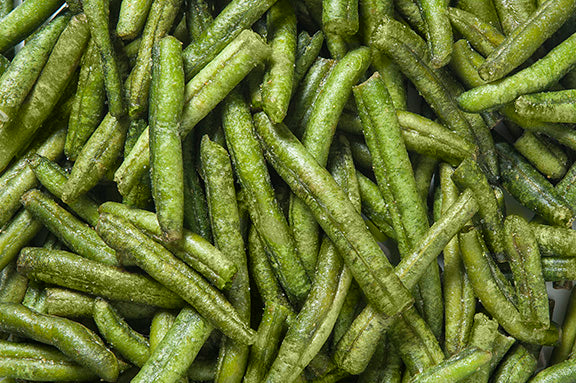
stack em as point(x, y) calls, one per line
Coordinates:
point(88, 107)
point(536, 77)
point(77, 236)
point(524, 259)
point(237, 16)
point(132, 345)
point(159, 21)
point(484, 277)
point(553, 240)
point(568, 334)
point(306, 53)
point(132, 18)
point(18, 178)
point(19, 78)
point(410, 11)
point(458, 367)
point(373, 205)
point(198, 18)
point(563, 372)
point(97, 157)
point(55, 266)
point(24, 19)
point(526, 39)
point(410, 53)
point(469, 175)
point(332, 208)
point(439, 31)
point(195, 208)
point(485, 336)
point(16, 235)
point(42, 369)
point(340, 17)
point(177, 350)
point(316, 319)
point(266, 345)
point(481, 35)
point(97, 13)
point(558, 269)
point(168, 270)
point(317, 137)
point(483, 9)
point(262, 273)
point(225, 220)
point(48, 89)
point(385, 366)
point(73, 339)
point(513, 13)
point(459, 301)
point(135, 165)
point(518, 366)
point(13, 285)
point(53, 178)
point(265, 213)
point(396, 179)
point(392, 77)
point(5, 8)
point(166, 165)
point(542, 156)
point(555, 106)
point(531, 189)
point(278, 80)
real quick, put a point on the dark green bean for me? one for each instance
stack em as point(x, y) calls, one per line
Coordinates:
point(131, 345)
point(266, 345)
point(536, 77)
point(518, 366)
point(159, 21)
point(225, 219)
point(340, 17)
point(77, 236)
point(278, 81)
point(531, 189)
point(132, 18)
point(458, 367)
point(97, 158)
point(22, 20)
point(265, 213)
point(48, 89)
point(306, 53)
point(513, 13)
point(469, 175)
point(486, 282)
point(459, 300)
point(177, 350)
point(18, 178)
point(525, 39)
point(563, 372)
point(55, 267)
point(198, 18)
point(166, 165)
point(438, 31)
point(97, 13)
point(19, 78)
point(88, 107)
point(237, 16)
point(332, 208)
point(410, 53)
point(568, 335)
point(16, 235)
point(73, 339)
point(167, 269)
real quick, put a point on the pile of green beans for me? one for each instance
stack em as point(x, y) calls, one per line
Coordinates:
point(249, 191)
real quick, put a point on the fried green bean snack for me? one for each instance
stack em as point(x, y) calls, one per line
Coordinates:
point(170, 271)
point(458, 367)
point(166, 165)
point(73, 339)
point(132, 17)
point(558, 106)
point(54, 266)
